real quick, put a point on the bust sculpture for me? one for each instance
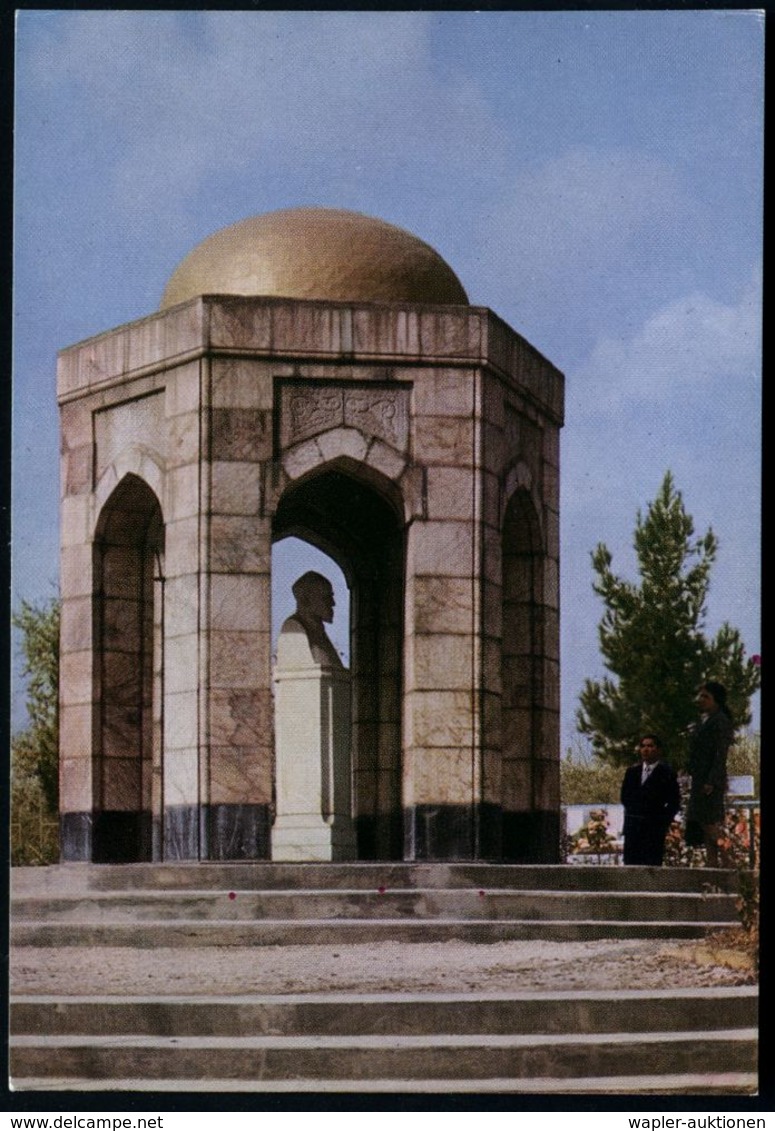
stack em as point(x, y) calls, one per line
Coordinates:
point(313, 818)
point(315, 605)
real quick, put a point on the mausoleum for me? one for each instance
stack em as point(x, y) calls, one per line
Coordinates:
point(322, 374)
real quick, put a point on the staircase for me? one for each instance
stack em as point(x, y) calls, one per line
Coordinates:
point(699, 1041)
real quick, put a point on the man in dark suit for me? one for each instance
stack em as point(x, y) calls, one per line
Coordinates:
point(651, 799)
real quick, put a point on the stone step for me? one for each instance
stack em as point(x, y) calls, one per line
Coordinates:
point(408, 1014)
point(263, 876)
point(300, 932)
point(467, 1056)
point(688, 1083)
point(416, 903)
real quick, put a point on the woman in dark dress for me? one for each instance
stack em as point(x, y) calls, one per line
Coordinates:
point(708, 748)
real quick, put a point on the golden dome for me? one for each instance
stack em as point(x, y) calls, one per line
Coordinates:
point(315, 253)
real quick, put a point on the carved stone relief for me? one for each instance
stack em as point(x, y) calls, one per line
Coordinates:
point(309, 409)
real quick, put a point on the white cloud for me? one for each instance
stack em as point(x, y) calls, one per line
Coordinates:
point(330, 93)
point(693, 343)
point(583, 209)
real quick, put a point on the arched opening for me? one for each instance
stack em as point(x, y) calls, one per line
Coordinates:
point(128, 618)
point(522, 653)
point(356, 524)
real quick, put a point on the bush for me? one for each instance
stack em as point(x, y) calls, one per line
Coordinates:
point(34, 827)
point(587, 780)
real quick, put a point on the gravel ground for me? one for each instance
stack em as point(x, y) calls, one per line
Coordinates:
point(450, 967)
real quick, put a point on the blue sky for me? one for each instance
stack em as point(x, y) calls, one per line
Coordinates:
point(593, 177)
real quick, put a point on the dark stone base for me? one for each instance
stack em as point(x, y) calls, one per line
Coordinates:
point(381, 837)
point(483, 832)
point(230, 832)
point(121, 837)
point(452, 832)
point(75, 838)
point(242, 832)
point(180, 840)
point(238, 832)
point(531, 838)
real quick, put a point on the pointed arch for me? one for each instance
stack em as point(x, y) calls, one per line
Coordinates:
point(128, 618)
point(521, 670)
point(354, 515)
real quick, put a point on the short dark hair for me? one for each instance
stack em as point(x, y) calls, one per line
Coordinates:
point(654, 738)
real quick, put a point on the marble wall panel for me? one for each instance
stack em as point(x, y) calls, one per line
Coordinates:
point(240, 717)
point(181, 554)
point(238, 777)
point(451, 493)
point(181, 663)
point(517, 625)
point(442, 549)
point(146, 342)
point(440, 661)
point(492, 564)
point(491, 665)
point(139, 422)
point(517, 784)
point(122, 784)
point(239, 544)
point(75, 420)
point(444, 440)
point(517, 725)
point(493, 400)
point(75, 633)
point(75, 676)
point(441, 604)
point(439, 718)
point(182, 390)
point(181, 777)
point(551, 481)
point(385, 459)
point(75, 570)
point(492, 611)
point(441, 777)
point(240, 434)
point(551, 684)
point(444, 392)
point(76, 469)
point(239, 603)
point(102, 358)
point(75, 520)
point(240, 383)
point(183, 498)
point(240, 659)
point(181, 720)
point(309, 328)
point(491, 719)
point(448, 333)
point(240, 322)
point(75, 730)
point(235, 488)
point(389, 746)
point(76, 786)
point(184, 328)
point(546, 783)
point(181, 605)
point(183, 444)
point(121, 676)
point(492, 775)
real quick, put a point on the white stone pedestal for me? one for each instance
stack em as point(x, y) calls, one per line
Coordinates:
point(312, 747)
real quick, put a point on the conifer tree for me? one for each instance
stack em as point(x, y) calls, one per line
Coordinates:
point(653, 642)
point(35, 750)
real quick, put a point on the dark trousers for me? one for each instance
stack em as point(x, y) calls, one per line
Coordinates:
point(644, 840)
